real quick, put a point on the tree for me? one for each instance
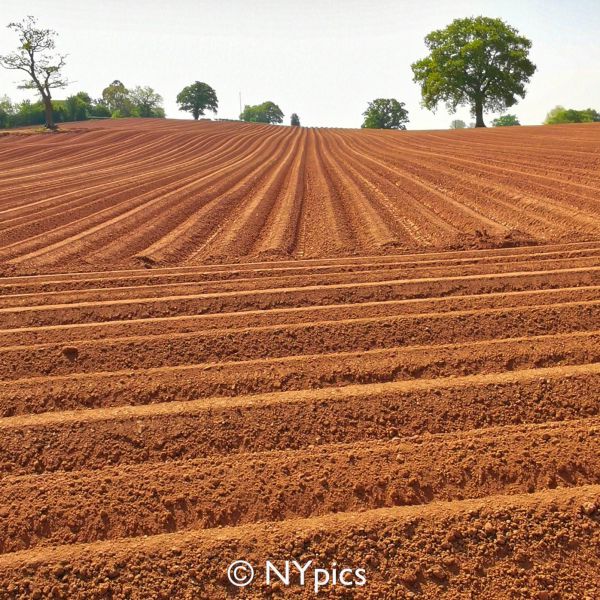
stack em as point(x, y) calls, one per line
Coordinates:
point(267, 112)
point(34, 113)
point(560, 114)
point(458, 124)
point(78, 107)
point(385, 113)
point(197, 98)
point(506, 121)
point(295, 120)
point(99, 110)
point(594, 114)
point(35, 56)
point(480, 62)
point(146, 102)
point(6, 112)
point(116, 98)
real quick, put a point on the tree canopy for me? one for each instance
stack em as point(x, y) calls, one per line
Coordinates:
point(139, 102)
point(198, 98)
point(458, 124)
point(480, 62)
point(506, 121)
point(36, 57)
point(267, 112)
point(560, 114)
point(295, 120)
point(146, 102)
point(78, 107)
point(385, 113)
point(116, 98)
point(6, 110)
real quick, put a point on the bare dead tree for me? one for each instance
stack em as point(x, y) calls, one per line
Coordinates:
point(36, 57)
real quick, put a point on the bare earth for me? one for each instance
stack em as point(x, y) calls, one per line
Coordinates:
point(223, 341)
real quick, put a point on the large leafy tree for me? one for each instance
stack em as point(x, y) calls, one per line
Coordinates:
point(116, 98)
point(198, 98)
point(480, 62)
point(506, 121)
point(36, 56)
point(385, 113)
point(267, 112)
point(146, 102)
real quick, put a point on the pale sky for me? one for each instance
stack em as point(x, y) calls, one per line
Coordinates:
point(322, 59)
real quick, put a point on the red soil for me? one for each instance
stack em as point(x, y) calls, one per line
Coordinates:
point(225, 341)
point(142, 192)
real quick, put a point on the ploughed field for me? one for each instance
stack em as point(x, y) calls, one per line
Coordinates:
point(137, 192)
point(224, 342)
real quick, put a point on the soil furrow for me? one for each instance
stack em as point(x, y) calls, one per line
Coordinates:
point(127, 309)
point(304, 338)
point(95, 438)
point(123, 387)
point(493, 545)
point(151, 499)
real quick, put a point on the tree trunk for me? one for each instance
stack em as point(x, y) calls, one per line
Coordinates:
point(48, 112)
point(479, 113)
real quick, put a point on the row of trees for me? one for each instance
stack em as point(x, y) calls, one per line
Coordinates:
point(556, 116)
point(503, 121)
point(137, 102)
point(560, 114)
point(74, 108)
point(478, 62)
point(116, 101)
point(36, 57)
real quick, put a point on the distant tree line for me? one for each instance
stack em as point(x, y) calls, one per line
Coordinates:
point(75, 108)
point(478, 62)
point(140, 101)
point(560, 114)
point(267, 112)
point(116, 101)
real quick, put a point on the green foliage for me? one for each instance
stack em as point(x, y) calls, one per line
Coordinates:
point(560, 114)
point(385, 113)
point(116, 98)
point(594, 114)
point(6, 112)
point(99, 110)
point(198, 98)
point(120, 102)
point(458, 124)
point(506, 121)
point(295, 120)
point(480, 62)
point(267, 112)
point(78, 107)
point(146, 103)
point(34, 113)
